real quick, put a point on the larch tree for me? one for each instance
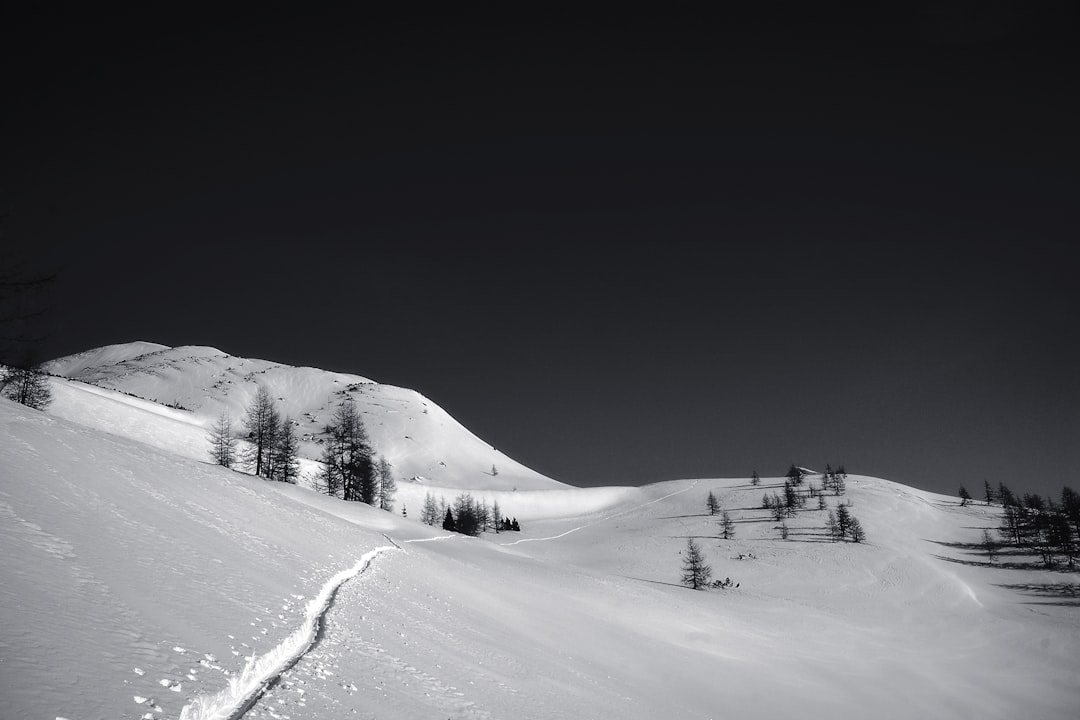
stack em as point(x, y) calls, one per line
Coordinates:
point(261, 423)
point(222, 442)
point(855, 530)
point(965, 496)
point(727, 526)
point(386, 486)
point(26, 385)
point(755, 479)
point(989, 545)
point(347, 463)
point(429, 512)
point(696, 573)
point(285, 454)
point(712, 503)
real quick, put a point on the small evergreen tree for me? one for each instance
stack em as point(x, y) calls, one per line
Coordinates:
point(696, 572)
point(783, 531)
point(855, 529)
point(755, 479)
point(727, 526)
point(821, 504)
point(497, 516)
point(833, 527)
point(794, 474)
point(448, 521)
point(712, 503)
point(988, 489)
point(843, 522)
point(965, 497)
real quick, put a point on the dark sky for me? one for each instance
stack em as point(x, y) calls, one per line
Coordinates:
point(622, 249)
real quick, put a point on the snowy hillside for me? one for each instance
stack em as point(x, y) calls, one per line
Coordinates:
point(418, 437)
point(138, 579)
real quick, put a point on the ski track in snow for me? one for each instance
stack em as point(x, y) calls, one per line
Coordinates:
point(259, 674)
point(691, 486)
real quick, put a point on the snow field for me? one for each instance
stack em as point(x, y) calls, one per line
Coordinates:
point(141, 582)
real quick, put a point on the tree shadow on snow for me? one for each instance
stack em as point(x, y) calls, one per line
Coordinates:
point(1065, 595)
point(654, 582)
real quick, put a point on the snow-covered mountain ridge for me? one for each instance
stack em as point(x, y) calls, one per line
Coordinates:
point(418, 437)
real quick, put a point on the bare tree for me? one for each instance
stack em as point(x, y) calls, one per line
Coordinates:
point(261, 423)
point(285, 454)
point(347, 464)
point(222, 442)
point(27, 385)
point(386, 486)
point(990, 545)
point(429, 513)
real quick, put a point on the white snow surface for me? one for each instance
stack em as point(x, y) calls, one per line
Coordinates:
point(139, 581)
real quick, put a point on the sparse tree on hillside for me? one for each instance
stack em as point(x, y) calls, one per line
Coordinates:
point(1005, 495)
point(1070, 506)
point(964, 496)
point(26, 385)
point(429, 513)
point(795, 475)
point(989, 545)
point(712, 503)
point(696, 573)
point(755, 479)
point(821, 504)
point(988, 490)
point(727, 526)
point(222, 442)
point(783, 531)
point(494, 471)
point(386, 486)
point(285, 455)
point(843, 522)
point(261, 423)
point(1012, 525)
point(347, 463)
point(496, 515)
point(466, 515)
point(833, 527)
point(855, 530)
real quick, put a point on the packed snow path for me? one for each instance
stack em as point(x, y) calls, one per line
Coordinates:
point(244, 690)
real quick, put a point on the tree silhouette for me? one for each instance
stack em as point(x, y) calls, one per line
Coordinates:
point(696, 572)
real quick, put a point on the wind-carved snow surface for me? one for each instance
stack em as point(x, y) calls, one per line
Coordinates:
point(243, 689)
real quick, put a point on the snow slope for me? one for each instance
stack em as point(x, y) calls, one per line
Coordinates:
point(133, 572)
point(418, 437)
